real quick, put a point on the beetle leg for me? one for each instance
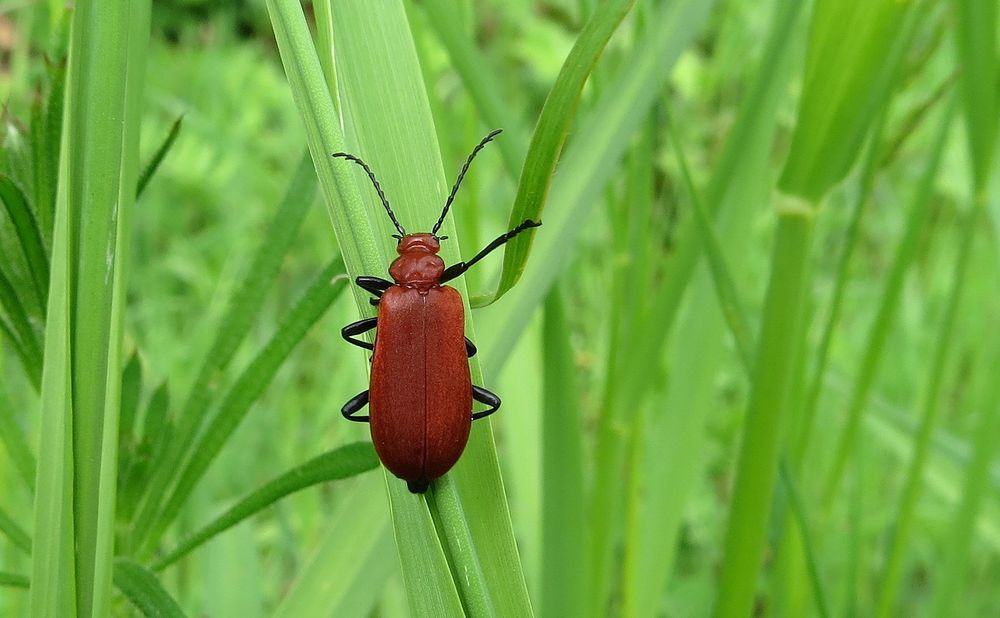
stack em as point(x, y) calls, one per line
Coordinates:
point(482, 395)
point(375, 285)
point(470, 348)
point(353, 329)
point(456, 270)
point(354, 405)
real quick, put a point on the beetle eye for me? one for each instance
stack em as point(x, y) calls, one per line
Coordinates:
point(398, 238)
point(440, 238)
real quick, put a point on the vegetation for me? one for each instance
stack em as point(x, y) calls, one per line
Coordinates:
point(747, 363)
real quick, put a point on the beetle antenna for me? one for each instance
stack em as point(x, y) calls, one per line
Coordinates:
point(381, 195)
point(461, 175)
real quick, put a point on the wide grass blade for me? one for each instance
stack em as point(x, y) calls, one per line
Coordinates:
point(248, 387)
point(340, 463)
point(855, 47)
point(144, 590)
point(243, 309)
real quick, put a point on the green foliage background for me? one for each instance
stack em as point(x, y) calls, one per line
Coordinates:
point(747, 364)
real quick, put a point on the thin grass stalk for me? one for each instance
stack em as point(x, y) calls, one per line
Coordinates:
point(930, 411)
point(757, 467)
point(878, 332)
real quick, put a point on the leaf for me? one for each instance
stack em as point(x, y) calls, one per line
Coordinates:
point(14, 532)
point(13, 580)
point(161, 153)
point(248, 387)
point(145, 591)
point(339, 463)
point(29, 236)
point(976, 40)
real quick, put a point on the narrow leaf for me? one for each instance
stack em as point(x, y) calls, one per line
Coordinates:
point(145, 591)
point(14, 532)
point(29, 236)
point(161, 153)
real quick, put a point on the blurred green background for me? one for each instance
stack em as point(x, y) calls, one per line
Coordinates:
point(625, 392)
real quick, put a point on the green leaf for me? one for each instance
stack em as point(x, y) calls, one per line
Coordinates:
point(161, 153)
point(19, 330)
point(976, 39)
point(243, 308)
point(14, 532)
point(145, 591)
point(855, 49)
point(339, 463)
point(15, 442)
point(550, 134)
point(29, 236)
point(248, 387)
point(13, 580)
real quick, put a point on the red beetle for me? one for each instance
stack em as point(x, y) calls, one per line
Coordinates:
point(421, 393)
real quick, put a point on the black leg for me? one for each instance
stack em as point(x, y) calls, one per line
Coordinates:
point(456, 270)
point(353, 329)
point(354, 405)
point(470, 348)
point(482, 395)
point(375, 285)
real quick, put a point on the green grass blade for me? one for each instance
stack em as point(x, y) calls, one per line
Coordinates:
point(14, 441)
point(243, 308)
point(158, 156)
point(248, 387)
point(756, 470)
point(145, 591)
point(878, 333)
point(798, 508)
point(340, 463)
point(46, 128)
point(130, 390)
point(855, 47)
point(591, 160)
point(976, 39)
point(157, 431)
point(426, 576)
point(13, 580)
point(556, 118)
point(29, 235)
point(18, 330)
point(564, 538)
point(17, 535)
point(929, 413)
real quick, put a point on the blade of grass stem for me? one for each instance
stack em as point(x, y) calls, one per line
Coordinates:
point(929, 413)
point(878, 332)
point(145, 591)
point(19, 331)
point(248, 387)
point(798, 509)
point(976, 40)
point(243, 308)
point(340, 463)
point(756, 469)
point(158, 156)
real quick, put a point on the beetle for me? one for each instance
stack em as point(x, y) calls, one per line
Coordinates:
point(420, 393)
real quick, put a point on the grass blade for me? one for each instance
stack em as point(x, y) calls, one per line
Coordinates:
point(976, 39)
point(854, 53)
point(564, 538)
point(144, 590)
point(340, 463)
point(248, 387)
point(929, 413)
point(14, 441)
point(14, 532)
point(550, 134)
point(757, 466)
point(29, 236)
point(19, 331)
point(161, 153)
point(243, 308)
point(13, 580)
